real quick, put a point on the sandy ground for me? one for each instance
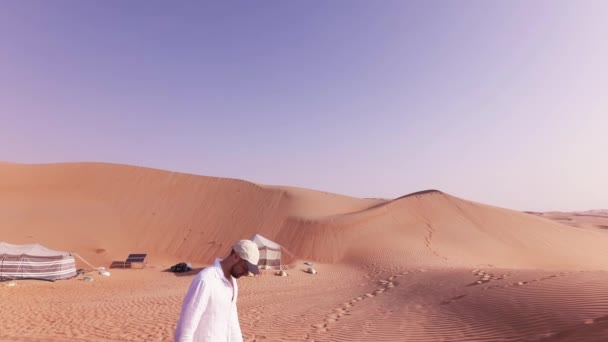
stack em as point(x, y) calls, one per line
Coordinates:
point(424, 267)
point(339, 303)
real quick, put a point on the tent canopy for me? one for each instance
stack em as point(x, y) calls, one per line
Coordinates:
point(263, 242)
point(270, 252)
point(35, 261)
point(33, 250)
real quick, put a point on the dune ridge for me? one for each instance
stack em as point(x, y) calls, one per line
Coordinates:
point(426, 266)
point(105, 211)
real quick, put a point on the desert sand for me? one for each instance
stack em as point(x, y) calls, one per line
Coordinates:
point(428, 266)
point(590, 219)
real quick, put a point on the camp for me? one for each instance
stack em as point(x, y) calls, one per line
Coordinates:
point(270, 253)
point(35, 261)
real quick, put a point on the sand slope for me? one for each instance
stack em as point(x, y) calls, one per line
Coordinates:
point(427, 266)
point(591, 219)
point(105, 211)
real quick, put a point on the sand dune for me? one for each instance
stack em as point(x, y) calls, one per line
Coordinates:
point(105, 211)
point(591, 219)
point(311, 204)
point(426, 266)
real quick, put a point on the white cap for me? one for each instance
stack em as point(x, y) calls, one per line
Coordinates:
point(249, 251)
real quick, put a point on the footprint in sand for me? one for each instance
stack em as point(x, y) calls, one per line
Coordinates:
point(485, 277)
point(401, 274)
point(453, 299)
point(331, 318)
point(378, 292)
point(344, 307)
point(522, 283)
point(319, 325)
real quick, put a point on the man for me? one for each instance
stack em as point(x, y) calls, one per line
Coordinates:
point(209, 311)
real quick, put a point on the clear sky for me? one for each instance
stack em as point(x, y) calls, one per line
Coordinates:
point(499, 102)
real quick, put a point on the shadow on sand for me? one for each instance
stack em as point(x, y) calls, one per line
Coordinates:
point(192, 272)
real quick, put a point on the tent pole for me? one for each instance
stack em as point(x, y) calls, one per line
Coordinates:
point(81, 258)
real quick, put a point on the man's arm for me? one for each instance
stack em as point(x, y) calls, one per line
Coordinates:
point(235, 326)
point(193, 307)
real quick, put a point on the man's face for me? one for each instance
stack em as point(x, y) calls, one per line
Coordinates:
point(240, 268)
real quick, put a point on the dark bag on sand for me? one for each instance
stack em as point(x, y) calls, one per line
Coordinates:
point(180, 268)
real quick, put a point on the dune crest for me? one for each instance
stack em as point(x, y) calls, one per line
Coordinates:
point(104, 211)
point(427, 266)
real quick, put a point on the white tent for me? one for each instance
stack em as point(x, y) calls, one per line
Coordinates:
point(270, 252)
point(35, 262)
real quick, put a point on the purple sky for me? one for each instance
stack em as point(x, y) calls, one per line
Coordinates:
point(500, 102)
